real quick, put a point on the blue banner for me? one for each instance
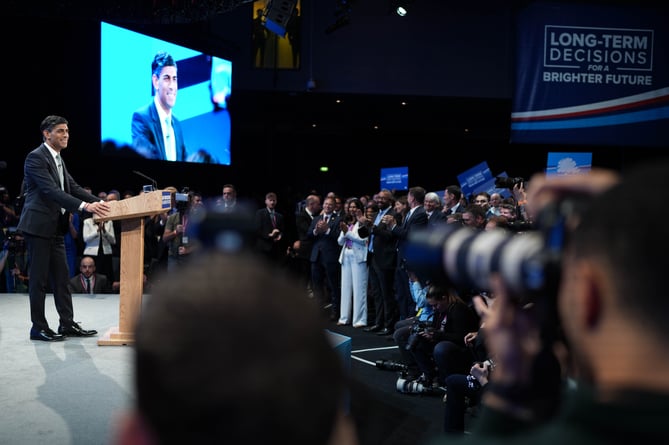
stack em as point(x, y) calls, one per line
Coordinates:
point(591, 74)
point(395, 178)
point(470, 179)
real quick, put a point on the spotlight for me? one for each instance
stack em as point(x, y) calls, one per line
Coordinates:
point(401, 7)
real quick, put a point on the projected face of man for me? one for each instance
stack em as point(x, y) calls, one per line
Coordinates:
point(166, 86)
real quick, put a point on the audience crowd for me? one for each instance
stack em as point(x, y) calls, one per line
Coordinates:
point(349, 257)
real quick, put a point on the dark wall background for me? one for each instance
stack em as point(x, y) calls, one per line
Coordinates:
point(450, 64)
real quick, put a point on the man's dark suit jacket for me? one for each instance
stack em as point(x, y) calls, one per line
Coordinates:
point(147, 134)
point(41, 215)
point(417, 221)
point(302, 223)
point(384, 244)
point(325, 246)
point(100, 286)
point(264, 227)
point(437, 217)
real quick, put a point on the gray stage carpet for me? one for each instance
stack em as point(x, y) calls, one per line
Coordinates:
point(69, 392)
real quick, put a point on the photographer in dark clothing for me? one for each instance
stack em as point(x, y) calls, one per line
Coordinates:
point(611, 309)
point(440, 349)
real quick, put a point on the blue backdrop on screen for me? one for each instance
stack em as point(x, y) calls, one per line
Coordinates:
point(201, 105)
point(589, 74)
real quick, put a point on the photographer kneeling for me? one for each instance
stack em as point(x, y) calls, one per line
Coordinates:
point(438, 348)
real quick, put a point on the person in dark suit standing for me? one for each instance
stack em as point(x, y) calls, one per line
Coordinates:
point(269, 230)
point(88, 281)
point(50, 194)
point(416, 219)
point(156, 132)
point(325, 268)
point(382, 259)
point(301, 248)
point(452, 197)
point(432, 205)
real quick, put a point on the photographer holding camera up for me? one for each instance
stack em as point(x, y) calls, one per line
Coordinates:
point(612, 310)
point(176, 235)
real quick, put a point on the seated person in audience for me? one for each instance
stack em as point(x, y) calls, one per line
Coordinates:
point(188, 391)
point(87, 281)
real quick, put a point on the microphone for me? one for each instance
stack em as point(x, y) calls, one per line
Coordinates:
point(153, 181)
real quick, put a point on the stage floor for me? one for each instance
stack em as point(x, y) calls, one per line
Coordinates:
point(72, 392)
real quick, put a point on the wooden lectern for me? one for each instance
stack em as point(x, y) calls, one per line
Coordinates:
point(131, 212)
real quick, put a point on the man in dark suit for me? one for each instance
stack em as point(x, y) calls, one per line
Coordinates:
point(432, 205)
point(88, 281)
point(50, 193)
point(452, 196)
point(382, 259)
point(325, 267)
point(156, 132)
point(416, 219)
point(303, 244)
point(269, 230)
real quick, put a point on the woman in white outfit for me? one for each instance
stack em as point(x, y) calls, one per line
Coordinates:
point(353, 260)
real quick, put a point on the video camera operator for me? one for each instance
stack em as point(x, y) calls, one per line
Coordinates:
point(612, 311)
point(176, 235)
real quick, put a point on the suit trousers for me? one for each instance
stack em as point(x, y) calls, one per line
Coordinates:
point(385, 305)
point(48, 269)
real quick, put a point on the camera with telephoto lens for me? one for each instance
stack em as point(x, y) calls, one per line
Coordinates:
point(505, 182)
point(417, 328)
point(390, 365)
point(407, 386)
point(410, 386)
point(528, 263)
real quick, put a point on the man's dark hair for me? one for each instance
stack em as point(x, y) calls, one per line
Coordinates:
point(51, 121)
point(229, 351)
point(161, 60)
point(455, 191)
point(475, 210)
point(418, 194)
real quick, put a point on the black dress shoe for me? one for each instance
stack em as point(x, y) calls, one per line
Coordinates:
point(384, 331)
point(74, 330)
point(373, 328)
point(45, 335)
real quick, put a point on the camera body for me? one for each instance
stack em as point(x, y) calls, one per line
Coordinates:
point(14, 242)
point(505, 182)
point(182, 199)
point(417, 328)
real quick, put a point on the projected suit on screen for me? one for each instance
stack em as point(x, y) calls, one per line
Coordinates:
point(156, 132)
